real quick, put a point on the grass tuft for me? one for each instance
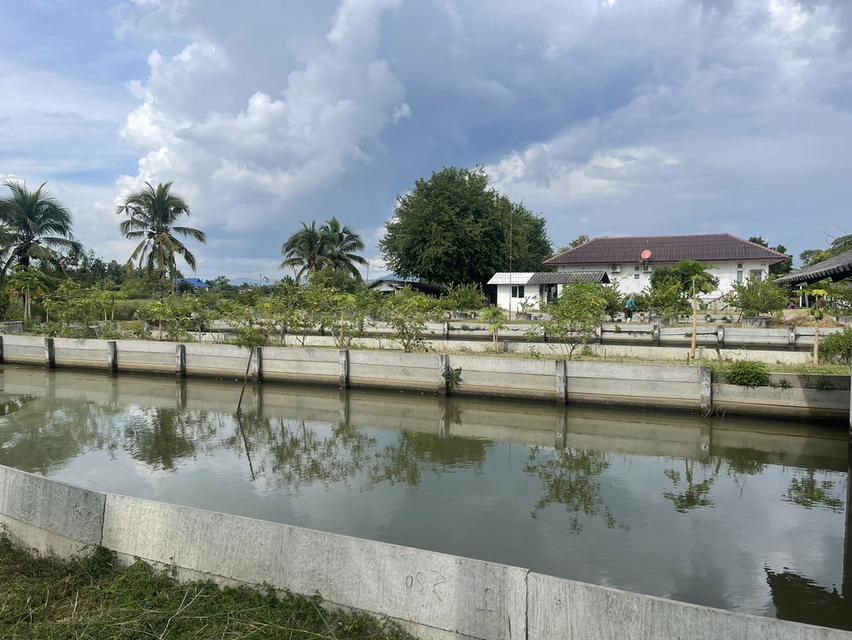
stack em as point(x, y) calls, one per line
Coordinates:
point(94, 597)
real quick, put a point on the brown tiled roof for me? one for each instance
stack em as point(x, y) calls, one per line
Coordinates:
point(716, 247)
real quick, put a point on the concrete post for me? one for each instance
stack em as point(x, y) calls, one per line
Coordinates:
point(343, 370)
point(256, 372)
point(655, 334)
point(562, 381)
point(112, 356)
point(705, 382)
point(599, 333)
point(1, 350)
point(49, 353)
point(443, 367)
point(720, 336)
point(791, 337)
point(180, 360)
point(446, 331)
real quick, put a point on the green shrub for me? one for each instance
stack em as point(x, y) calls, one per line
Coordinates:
point(823, 384)
point(746, 373)
point(836, 347)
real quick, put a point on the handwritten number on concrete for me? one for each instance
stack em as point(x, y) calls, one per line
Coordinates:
point(421, 581)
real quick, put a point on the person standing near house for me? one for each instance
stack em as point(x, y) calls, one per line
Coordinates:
point(629, 308)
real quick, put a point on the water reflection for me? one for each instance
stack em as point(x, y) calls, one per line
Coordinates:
point(746, 515)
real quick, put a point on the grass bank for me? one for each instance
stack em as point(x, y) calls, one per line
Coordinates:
point(96, 598)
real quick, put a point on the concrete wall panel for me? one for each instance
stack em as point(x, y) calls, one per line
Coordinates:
point(394, 370)
point(578, 611)
point(61, 513)
point(301, 364)
point(225, 360)
point(80, 352)
point(445, 593)
point(23, 349)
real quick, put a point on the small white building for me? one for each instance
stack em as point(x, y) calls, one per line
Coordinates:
point(630, 261)
point(529, 290)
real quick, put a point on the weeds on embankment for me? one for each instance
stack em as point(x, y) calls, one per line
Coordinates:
point(94, 597)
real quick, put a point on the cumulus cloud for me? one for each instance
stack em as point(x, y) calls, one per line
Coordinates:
point(328, 114)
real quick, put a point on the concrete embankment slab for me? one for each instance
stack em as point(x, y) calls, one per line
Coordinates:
point(49, 516)
point(572, 610)
point(437, 595)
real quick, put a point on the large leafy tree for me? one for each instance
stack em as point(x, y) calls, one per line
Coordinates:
point(152, 214)
point(839, 245)
point(333, 246)
point(454, 229)
point(34, 226)
point(779, 268)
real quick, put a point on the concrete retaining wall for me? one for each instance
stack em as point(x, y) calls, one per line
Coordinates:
point(421, 372)
point(301, 364)
point(433, 595)
point(651, 385)
point(74, 352)
point(50, 517)
point(572, 610)
point(510, 377)
point(23, 349)
point(537, 378)
point(795, 401)
point(221, 360)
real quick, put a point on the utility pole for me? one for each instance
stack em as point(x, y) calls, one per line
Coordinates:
point(694, 323)
point(510, 263)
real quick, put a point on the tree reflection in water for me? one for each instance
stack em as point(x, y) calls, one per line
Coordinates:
point(37, 434)
point(162, 437)
point(571, 478)
point(692, 494)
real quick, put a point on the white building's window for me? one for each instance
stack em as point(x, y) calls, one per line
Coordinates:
point(518, 291)
point(636, 268)
point(646, 268)
point(756, 274)
point(615, 268)
point(740, 265)
point(740, 275)
point(636, 276)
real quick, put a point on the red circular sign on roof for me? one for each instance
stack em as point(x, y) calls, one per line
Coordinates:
point(646, 254)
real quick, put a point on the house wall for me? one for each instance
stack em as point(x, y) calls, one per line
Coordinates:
point(504, 292)
point(628, 283)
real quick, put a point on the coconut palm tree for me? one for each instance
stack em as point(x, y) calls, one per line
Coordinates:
point(151, 216)
point(332, 246)
point(341, 245)
point(305, 249)
point(33, 226)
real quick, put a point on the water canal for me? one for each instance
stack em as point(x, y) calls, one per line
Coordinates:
point(746, 515)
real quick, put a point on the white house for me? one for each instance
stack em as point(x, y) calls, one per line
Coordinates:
point(630, 261)
point(527, 290)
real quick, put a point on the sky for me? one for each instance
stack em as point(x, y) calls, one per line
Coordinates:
point(607, 117)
